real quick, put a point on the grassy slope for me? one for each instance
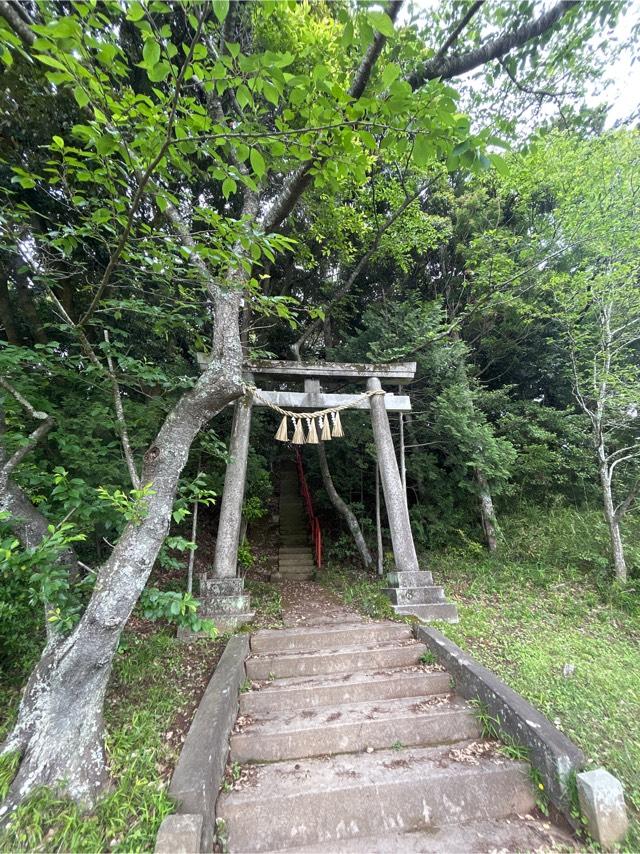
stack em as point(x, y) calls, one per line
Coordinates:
point(155, 686)
point(546, 602)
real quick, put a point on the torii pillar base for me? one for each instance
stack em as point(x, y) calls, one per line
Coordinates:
point(222, 597)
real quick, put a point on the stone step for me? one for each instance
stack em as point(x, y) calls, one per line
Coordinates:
point(325, 800)
point(310, 692)
point(353, 727)
point(410, 579)
point(297, 576)
point(293, 550)
point(438, 611)
point(346, 660)
point(414, 595)
point(305, 565)
point(511, 833)
point(306, 562)
point(296, 571)
point(313, 638)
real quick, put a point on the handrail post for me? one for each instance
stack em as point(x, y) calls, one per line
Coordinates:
point(314, 522)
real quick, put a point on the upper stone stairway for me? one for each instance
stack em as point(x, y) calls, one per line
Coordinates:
point(349, 742)
point(295, 558)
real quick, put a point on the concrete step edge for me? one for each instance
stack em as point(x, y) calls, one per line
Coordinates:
point(302, 802)
point(320, 692)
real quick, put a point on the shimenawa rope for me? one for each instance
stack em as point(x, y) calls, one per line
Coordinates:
point(322, 415)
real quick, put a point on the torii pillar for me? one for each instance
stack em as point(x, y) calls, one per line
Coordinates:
point(395, 497)
point(222, 595)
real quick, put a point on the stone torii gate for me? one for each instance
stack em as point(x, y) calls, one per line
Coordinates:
point(222, 592)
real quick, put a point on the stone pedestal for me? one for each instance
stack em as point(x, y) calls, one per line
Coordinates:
point(602, 803)
point(224, 601)
point(414, 593)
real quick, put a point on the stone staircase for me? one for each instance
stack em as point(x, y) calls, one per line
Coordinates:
point(348, 742)
point(295, 558)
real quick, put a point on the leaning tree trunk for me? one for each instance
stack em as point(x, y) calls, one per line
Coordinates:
point(59, 730)
point(613, 523)
point(343, 508)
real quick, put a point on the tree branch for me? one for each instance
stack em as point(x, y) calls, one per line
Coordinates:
point(124, 433)
point(16, 458)
point(16, 21)
point(454, 66)
point(459, 27)
point(32, 411)
point(625, 505)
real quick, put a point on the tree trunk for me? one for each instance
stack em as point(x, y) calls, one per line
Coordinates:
point(6, 313)
point(343, 508)
point(60, 726)
point(613, 523)
point(487, 513)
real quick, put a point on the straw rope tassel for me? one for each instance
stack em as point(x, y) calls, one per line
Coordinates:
point(337, 431)
point(298, 433)
point(326, 429)
point(282, 434)
point(312, 435)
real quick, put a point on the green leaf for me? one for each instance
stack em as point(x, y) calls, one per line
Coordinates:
point(499, 164)
point(229, 187)
point(390, 73)
point(381, 22)
point(368, 139)
point(270, 92)
point(423, 150)
point(51, 61)
point(151, 53)
point(257, 162)
point(461, 147)
point(347, 35)
point(135, 11)
point(82, 99)
point(220, 9)
point(159, 71)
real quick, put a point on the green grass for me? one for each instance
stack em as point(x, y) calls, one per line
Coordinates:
point(266, 599)
point(147, 691)
point(360, 590)
point(548, 600)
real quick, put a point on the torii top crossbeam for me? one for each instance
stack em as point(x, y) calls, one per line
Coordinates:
point(397, 372)
point(314, 397)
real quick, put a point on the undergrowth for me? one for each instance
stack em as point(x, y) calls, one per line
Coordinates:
point(147, 691)
point(266, 599)
point(359, 589)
